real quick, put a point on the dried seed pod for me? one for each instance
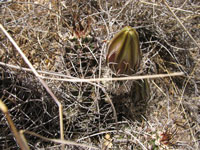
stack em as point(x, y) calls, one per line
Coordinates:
point(124, 53)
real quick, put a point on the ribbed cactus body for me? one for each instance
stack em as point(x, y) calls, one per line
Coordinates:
point(124, 53)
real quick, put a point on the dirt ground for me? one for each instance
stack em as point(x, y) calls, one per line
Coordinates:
point(66, 41)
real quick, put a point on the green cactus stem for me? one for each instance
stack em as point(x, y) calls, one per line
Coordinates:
point(124, 53)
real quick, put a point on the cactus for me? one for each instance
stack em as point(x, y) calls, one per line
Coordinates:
point(124, 57)
point(140, 90)
point(124, 53)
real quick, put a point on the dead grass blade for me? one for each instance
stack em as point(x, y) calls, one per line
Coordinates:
point(21, 141)
point(118, 78)
point(40, 79)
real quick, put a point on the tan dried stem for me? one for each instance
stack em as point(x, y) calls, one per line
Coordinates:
point(41, 81)
point(118, 78)
point(71, 79)
point(21, 141)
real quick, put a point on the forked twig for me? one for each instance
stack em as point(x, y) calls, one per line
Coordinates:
point(58, 76)
point(40, 79)
point(62, 77)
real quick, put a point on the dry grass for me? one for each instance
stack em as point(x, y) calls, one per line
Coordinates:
point(66, 42)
